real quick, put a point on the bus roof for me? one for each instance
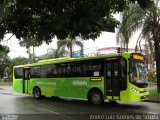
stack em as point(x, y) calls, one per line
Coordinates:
point(63, 60)
point(56, 59)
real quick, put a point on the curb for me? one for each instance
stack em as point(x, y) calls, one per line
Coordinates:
point(153, 101)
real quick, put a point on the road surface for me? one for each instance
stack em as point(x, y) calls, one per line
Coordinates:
point(15, 106)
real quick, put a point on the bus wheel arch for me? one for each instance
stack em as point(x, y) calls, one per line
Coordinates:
point(95, 96)
point(37, 94)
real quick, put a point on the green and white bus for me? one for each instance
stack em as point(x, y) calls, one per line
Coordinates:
point(113, 77)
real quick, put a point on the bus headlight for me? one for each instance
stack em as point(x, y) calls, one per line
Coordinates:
point(135, 90)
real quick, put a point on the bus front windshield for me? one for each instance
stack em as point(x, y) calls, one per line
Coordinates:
point(138, 73)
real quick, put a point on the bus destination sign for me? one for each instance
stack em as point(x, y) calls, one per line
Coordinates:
point(138, 57)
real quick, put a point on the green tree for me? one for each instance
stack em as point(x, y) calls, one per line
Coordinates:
point(70, 43)
point(61, 52)
point(129, 22)
point(4, 50)
point(151, 75)
point(19, 61)
point(4, 60)
point(55, 53)
point(46, 19)
point(2, 28)
point(28, 43)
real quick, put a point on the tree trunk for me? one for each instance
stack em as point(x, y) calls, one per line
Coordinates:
point(157, 58)
point(127, 47)
point(71, 52)
point(82, 52)
point(33, 55)
point(29, 55)
point(146, 60)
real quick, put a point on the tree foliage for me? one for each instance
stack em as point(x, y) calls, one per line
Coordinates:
point(19, 61)
point(45, 19)
point(4, 59)
point(54, 53)
point(4, 49)
point(30, 42)
point(151, 75)
point(70, 43)
point(130, 21)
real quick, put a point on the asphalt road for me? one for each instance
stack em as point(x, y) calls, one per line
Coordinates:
point(14, 106)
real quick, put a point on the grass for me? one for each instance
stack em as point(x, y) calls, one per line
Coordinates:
point(5, 83)
point(153, 95)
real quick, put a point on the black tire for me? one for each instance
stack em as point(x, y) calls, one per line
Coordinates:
point(113, 102)
point(96, 97)
point(37, 93)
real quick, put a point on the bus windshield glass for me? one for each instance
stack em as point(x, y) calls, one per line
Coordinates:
point(138, 73)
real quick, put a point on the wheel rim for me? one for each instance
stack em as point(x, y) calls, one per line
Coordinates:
point(96, 98)
point(36, 93)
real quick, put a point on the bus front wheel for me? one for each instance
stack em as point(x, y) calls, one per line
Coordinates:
point(37, 93)
point(96, 97)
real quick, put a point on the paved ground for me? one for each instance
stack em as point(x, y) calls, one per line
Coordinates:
point(24, 107)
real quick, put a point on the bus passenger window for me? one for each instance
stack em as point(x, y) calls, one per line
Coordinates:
point(18, 73)
point(123, 77)
point(109, 70)
point(115, 70)
point(96, 73)
point(26, 74)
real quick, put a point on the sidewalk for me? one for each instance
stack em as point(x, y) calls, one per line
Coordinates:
point(153, 95)
point(8, 90)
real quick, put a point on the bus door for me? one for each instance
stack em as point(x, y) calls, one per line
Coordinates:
point(112, 70)
point(26, 80)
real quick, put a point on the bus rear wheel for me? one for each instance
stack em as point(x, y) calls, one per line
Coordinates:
point(37, 93)
point(96, 97)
